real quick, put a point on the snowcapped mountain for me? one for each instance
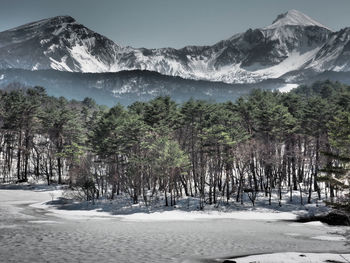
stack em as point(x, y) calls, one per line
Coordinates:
point(294, 42)
point(57, 43)
point(294, 18)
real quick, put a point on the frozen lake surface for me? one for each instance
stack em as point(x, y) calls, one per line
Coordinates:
point(29, 234)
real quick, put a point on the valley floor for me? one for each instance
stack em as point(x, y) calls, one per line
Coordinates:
point(33, 231)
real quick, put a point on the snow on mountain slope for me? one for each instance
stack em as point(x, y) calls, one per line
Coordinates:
point(292, 43)
point(248, 57)
point(334, 55)
point(59, 43)
point(294, 18)
point(294, 61)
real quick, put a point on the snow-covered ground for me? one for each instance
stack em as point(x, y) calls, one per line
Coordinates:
point(123, 209)
point(288, 87)
point(32, 231)
point(293, 257)
point(187, 208)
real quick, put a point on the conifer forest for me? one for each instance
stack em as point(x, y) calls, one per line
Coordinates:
point(267, 142)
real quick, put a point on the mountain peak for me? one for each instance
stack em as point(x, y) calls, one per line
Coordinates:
point(62, 19)
point(294, 18)
point(57, 20)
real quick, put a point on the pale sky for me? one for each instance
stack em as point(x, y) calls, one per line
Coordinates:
point(171, 23)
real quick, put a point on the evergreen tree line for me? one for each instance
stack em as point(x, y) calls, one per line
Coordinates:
point(267, 142)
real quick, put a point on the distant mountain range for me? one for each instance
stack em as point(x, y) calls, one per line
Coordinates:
point(293, 49)
point(125, 87)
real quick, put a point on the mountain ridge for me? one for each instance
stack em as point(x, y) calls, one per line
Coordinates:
point(125, 87)
point(293, 42)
